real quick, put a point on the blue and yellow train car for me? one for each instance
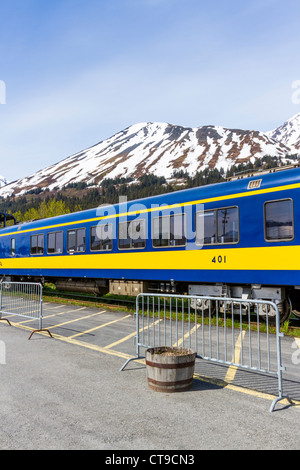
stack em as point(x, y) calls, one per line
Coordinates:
point(239, 238)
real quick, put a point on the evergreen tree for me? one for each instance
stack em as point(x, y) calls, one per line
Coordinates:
point(37, 204)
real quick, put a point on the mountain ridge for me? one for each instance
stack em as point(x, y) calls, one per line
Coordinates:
point(161, 148)
point(288, 133)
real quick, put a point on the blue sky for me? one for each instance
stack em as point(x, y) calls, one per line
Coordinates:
point(78, 71)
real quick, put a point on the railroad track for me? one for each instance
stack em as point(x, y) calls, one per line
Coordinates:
point(294, 322)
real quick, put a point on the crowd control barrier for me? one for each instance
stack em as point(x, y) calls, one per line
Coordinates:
point(213, 327)
point(22, 299)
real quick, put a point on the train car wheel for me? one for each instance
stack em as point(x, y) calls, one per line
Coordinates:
point(296, 313)
point(206, 306)
point(284, 308)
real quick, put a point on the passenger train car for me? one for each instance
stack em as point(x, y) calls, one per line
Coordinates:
point(239, 238)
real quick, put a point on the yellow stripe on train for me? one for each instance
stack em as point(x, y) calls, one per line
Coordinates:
point(256, 258)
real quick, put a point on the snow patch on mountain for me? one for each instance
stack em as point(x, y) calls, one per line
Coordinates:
point(161, 148)
point(288, 134)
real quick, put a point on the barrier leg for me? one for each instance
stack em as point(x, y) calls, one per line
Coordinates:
point(130, 359)
point(274, 402)
point(36, 331)
point(137, 338)
point(280, 368)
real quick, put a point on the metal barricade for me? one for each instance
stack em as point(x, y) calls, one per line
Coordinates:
point(218, 329)
point(22, 299)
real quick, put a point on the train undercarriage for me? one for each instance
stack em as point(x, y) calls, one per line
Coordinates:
point(286, 298)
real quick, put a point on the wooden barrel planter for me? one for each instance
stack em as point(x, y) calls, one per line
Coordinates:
point(170, 369)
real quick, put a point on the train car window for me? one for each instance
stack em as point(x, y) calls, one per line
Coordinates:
point(101, 237)
point(227, 225)
point(161, 231)
point(138, 233)
point(218, 226)
point(95, 238)
point(80, 242)
point(13, 247)
point(55, 242)
point(107, 237)
point(71, 240)
point(169, 231)
point(132, 234)
point(177, 230)
point(37, 245)
point(279, 220)
point(76, 240)
point(206, 228)
point(124, 237)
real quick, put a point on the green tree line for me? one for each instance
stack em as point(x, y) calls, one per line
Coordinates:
point(38, 204)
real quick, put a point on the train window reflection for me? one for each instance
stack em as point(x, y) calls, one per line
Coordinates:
point(279, 224)
point(206, 228)
point(228, 225)
point(218, 226)
point(37, 244)
point(13, 247)
point(169, 231)
point(161, 231)
point(132, 234)
point(102, 237)
point(177, 230)
point(55, 242)
point(76, 240)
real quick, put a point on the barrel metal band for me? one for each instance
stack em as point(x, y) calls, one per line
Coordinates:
point(170, 366)
point(166, 384)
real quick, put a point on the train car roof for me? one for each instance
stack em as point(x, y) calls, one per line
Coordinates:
point(257, 181)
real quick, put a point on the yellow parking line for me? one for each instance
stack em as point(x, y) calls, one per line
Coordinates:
point(53, 315)
point(130, 336)
point(76, 342)
point(120, 340)
point(14, 307)
point(75, 319)
point(54, 308)
point(189, 333)
point(235, 359)
point(125, 356)
point(18, 314)
point(98, 327)
point(247, 391)
point(91, 346)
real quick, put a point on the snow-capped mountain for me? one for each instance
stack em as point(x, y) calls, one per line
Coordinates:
point(161, 148)
point(288, 134)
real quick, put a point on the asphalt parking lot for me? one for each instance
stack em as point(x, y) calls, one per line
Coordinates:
point(67, 392)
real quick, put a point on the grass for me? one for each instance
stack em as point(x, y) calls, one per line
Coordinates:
point(214, 321)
